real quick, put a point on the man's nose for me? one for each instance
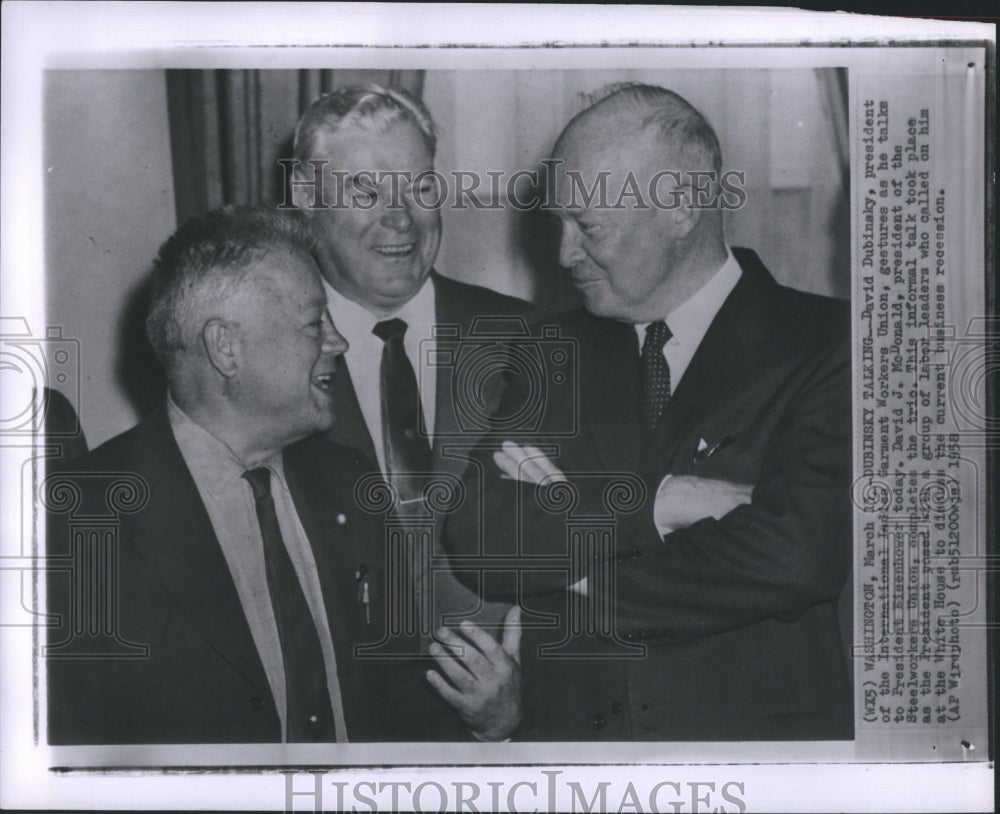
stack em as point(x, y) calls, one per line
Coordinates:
point(333, 340)
point(397, 216)
point(570, 251)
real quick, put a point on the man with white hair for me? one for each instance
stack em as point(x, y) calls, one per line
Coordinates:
point(364, 177)
point(728, 397)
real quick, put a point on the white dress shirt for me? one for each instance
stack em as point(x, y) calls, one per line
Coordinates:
point(689, 322)
point(364, 356)
point(218, 474)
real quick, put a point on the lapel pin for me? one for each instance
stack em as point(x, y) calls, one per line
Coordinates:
point(341, 520)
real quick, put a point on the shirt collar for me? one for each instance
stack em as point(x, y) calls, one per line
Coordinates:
point(214, 466)
point(689, 322)
point(353, 320)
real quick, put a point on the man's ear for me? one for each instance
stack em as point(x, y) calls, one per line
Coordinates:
point(305, 191)
point(684, 216)
point(223, 345)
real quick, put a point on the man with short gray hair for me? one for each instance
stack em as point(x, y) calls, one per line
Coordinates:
point(233, 613)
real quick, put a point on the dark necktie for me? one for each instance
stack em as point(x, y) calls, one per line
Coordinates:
point(406, 450)
point(655, 374)
point(309, 713)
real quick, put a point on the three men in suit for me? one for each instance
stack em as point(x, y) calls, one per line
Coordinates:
point(713, 623)
point(398, 404)
point(206, 566)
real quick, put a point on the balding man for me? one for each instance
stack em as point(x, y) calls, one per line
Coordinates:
point(728, 396)
point(218, 601)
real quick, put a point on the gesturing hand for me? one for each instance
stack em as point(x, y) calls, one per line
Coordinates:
point(484, 676)
point(527, 464)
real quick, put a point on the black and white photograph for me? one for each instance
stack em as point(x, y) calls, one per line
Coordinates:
point(393, 423)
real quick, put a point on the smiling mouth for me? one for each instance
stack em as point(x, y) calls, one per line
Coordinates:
point(397, 250)
point(323, 381)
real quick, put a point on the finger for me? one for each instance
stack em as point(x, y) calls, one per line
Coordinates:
point(446, 691)
point(511, 641)
point(514, 451)
point(458, 675)
point(507, 465)
point(544, 464)
point(465, 651)
point(524, 467)
point(515, 462)
point(488, 647)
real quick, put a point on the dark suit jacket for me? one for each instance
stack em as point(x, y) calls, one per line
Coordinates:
point(738, 616)
point(200, 679)
point(458, 306)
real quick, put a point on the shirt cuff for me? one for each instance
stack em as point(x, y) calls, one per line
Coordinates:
point(662, 530)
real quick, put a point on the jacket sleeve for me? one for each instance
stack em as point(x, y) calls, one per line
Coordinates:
point(788, 550)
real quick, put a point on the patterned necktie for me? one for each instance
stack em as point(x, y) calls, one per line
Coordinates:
point(655, 374)
point(309, 714)
point(407, 453)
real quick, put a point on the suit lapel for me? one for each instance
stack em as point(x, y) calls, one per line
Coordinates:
point(349, 428)
point(448, 313)
point(175, 539)
point(610, 386)
point(324, 514)
point(727, 355)
point(456, 309)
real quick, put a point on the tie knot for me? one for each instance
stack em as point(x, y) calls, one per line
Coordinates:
point(390, 329)
point(260, 481)
point(657, 334)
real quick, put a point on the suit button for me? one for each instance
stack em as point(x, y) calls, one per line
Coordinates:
point(635, 553)
point(616, 707)
point(256, 703)
point(410, 433)
point(599, 721)
point(644, 707)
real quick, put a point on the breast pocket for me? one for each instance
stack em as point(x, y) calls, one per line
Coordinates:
point(732, 458)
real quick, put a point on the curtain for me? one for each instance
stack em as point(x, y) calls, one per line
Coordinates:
point(228, 128)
